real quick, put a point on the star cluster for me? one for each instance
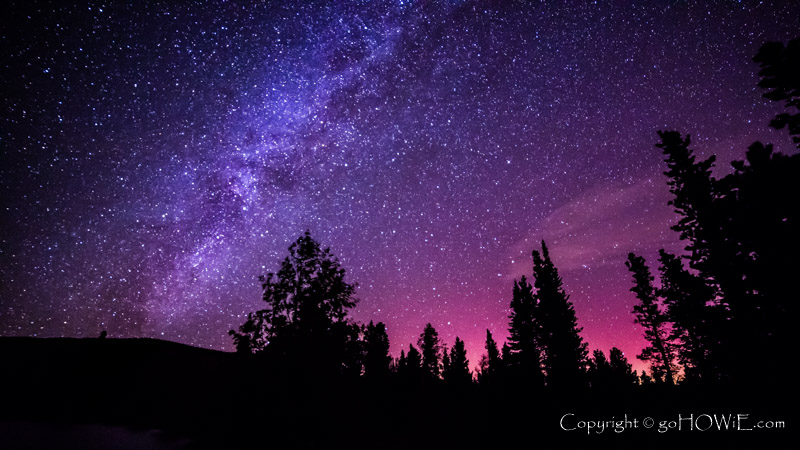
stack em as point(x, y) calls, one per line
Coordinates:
point(158, 157)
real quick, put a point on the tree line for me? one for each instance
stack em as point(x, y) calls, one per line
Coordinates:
point(305, 328)
point(718, 313)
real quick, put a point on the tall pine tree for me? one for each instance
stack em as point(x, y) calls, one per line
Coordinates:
point(687, 300)
point(413, 367)
point(377, 360)
point(565, 353)
point(599, 370)
point(742, 241)
point(491, 362)
point(431, 347)
point(522, 357)
point(457, 372)
point(621, 371)
point(659, 353)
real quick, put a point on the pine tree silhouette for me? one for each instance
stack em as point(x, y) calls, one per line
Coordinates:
point(687, 298)
point(400, 366)
point(446, 367)
point(565, 353)
point(614, 372)
point(414, 370)
point(445, 361)
point(505, 354)
point(621, 371)
point(741, 242)
point(457, 371)
point(522, 352)
point(491, 362)
point(693, 191)
point(701, 202)
point(648, 314)
point(431, 349)
point(377, 360)
point(599, 370)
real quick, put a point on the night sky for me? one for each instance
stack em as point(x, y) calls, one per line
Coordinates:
point(157, 159)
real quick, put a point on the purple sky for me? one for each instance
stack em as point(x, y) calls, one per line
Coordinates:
point(157, 159)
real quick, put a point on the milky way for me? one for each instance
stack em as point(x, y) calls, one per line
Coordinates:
point(158, 158)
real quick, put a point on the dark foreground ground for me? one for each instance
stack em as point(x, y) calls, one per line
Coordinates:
point(151, 394)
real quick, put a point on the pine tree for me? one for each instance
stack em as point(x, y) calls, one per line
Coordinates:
point(414, 371)
point(457, 372)
point(686, 298)
point(694, 190)
point(621, 371)
point(706, 207)
point(565, 353)
point(430, 346)
point(491, 362)
point(506, 352)
point(742, 241)
point(482, 376)
point(658, 353)
point(599, 370)
point(400, 366)
point(522, 353)
point(377, 360)
point(445, 362)
point(698, 306)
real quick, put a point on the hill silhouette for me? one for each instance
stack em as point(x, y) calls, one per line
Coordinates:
point(140, 383)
